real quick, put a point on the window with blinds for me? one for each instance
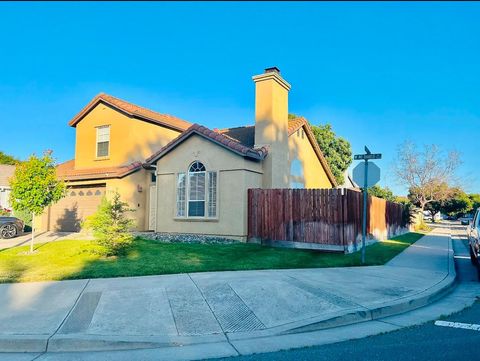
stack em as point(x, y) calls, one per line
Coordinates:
point(196, 199)
point(181, 199)
point(103, 141)
point(197, 192)
point(212, 194)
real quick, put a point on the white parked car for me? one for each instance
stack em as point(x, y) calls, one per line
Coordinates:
point(473, 232)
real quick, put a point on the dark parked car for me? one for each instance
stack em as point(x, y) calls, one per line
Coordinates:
point(10, 227)
point(466, 220)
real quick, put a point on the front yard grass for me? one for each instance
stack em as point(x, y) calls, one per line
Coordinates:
point(75, 259)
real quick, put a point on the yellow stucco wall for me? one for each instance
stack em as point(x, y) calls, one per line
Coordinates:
point(130, 139)
point(304, 165)
point(271, 127)
point(134, 190)
point(235, 176)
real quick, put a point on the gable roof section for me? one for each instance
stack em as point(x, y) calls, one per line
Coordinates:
point(299, 122)
point(68, 172)
point(246, 136)
point(215, 137)
point(133, 111)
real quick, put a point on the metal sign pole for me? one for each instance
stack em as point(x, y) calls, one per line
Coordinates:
point(361, 175)
point(364, 221)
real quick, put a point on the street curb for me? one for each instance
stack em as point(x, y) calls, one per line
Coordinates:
point(23, 343)
point(67, 343)
point(81, 342)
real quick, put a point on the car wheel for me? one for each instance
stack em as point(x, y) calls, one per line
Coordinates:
point(473, 259)
point(8, 231)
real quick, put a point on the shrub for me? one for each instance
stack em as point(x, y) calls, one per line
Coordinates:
point(111, 226)
point(408, 214)
point(422, 227)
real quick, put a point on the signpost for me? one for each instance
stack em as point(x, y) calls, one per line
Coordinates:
point(366, 174)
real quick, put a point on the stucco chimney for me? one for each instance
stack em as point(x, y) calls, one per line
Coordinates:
point(271, 125)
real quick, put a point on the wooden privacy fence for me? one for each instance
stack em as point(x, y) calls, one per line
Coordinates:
point(329, 219)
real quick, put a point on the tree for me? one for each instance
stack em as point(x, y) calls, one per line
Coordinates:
point(111, 226)
point(475, 198)
point(434, 208)
point(403, 200)
point(458, 203)
point(7, 159)
point(336, 150)
point(35, 186)
point(441, 193)
point(384, 193)
point(425, 172)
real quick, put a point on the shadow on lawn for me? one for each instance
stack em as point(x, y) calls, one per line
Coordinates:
point(127, 263)
point(16, 271)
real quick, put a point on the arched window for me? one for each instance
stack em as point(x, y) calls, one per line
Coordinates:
point(197, 192)
point(196, 167)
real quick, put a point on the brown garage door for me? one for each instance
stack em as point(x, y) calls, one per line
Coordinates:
point(69, 212)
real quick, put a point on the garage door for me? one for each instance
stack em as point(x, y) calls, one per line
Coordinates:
point(70, 211)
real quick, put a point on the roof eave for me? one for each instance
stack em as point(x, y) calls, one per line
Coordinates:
point(106, 175)
point(153, 159)
point(97, 100)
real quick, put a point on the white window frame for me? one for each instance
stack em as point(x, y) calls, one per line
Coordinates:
point(97, 141)
point(184, 195)
point(206, 201)
point(207, 191)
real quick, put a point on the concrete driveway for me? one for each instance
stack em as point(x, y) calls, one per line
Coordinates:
point(42, 237)
point(17, 241)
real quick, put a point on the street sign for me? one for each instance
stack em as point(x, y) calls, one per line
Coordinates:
point(366, 174)
point(367, 156)
point(373, 176)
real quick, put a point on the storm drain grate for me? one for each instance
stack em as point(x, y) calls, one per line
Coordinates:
point(231, 312)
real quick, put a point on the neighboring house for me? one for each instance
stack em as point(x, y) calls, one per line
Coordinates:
point(6, 172)
point(184, 178)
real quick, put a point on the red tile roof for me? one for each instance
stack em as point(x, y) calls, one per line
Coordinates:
point(216, 137)
point(132, 110)
point(295, 124)
point(68, 172)
point(240, 140)
point(246, 136)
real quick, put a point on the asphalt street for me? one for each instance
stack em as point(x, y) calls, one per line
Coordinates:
point(425, 342)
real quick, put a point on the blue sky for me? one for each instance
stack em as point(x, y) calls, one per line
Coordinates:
point(380, 73)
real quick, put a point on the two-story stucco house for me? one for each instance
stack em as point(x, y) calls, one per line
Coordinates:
point(181, 177)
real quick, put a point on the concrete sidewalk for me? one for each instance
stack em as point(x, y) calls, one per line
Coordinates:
point(225, 310)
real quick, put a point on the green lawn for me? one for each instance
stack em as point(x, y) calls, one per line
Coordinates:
point(75, 259)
